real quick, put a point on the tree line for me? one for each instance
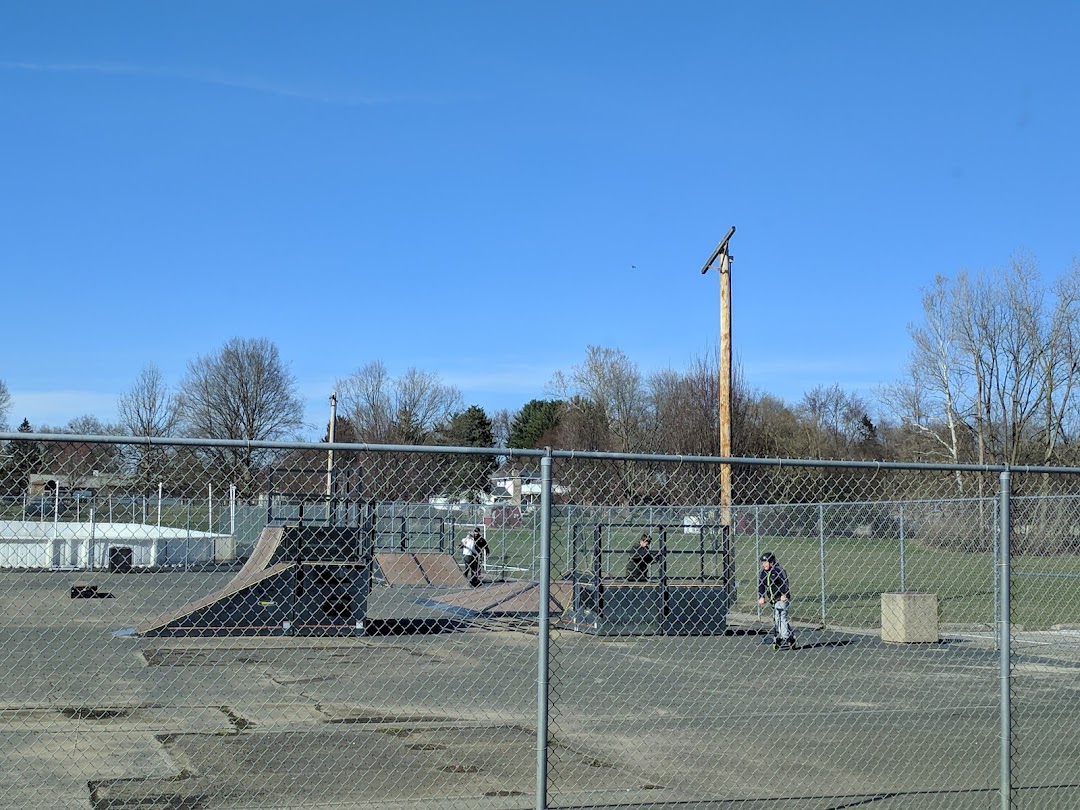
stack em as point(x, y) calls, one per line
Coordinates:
point(991, 379)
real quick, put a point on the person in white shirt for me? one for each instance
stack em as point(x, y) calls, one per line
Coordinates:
point(470, 555)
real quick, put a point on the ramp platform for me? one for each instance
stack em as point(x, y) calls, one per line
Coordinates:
point(505, 599)
point(668, 607)
point(299, 580)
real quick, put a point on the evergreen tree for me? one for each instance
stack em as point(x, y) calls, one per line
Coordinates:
point(469, 428)
point(536, 418)
point(466, 475)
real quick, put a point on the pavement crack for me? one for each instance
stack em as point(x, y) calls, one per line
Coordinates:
point(236, 720)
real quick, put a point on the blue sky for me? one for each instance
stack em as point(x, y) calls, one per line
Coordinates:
point(483, 189)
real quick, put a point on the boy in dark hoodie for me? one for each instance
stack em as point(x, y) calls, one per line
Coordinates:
point(773, 587)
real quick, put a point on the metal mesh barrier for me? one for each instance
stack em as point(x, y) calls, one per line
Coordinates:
point(222, 625)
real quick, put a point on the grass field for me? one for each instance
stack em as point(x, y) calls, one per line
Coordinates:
point(852, 577)
point(840, 588)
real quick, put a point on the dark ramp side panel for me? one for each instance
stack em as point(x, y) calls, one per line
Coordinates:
point(258, 603)
point(328, 544)
point(306, 580)
point(330, 599)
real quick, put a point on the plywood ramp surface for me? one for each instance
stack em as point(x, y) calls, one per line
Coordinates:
point(400, 568)
point(509, 598)
point(440, 568)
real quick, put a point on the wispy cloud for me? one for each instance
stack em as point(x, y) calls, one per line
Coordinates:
point(252, 84)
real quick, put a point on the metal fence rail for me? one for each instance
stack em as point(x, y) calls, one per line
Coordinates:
point(214, 624)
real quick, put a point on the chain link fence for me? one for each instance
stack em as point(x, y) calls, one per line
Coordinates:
point(201, 624)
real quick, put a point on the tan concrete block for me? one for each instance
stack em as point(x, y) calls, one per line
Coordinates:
point(909, 617)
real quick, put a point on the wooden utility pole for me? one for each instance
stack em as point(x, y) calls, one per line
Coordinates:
point(724, 387)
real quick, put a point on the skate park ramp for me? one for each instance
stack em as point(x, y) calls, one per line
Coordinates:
point(265, 549)
point(252, 601)
point(298, 580)
point(418, 568)
point(505, 599)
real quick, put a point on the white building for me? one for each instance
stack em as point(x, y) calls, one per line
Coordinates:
point(40, 544)
point(518, 487)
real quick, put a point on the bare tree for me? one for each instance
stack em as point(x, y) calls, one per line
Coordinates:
point(424, 403)
point(1060, 367)
point(5, 405)
point(665, 392)
point(410, 409)
point(1044, 358)
point(835, 421)
point(608, 405)
point(772, 428)
point(686, 410)
point(582, 425)
point(502, 424)
point(761, 424)
point(936, 399)
point(365, 397)
point(405, 410)
point(148, 408)
point(610, 383)
point(244, 391)
point(993, 367)
point(699, 404)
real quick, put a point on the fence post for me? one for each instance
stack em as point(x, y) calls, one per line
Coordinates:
point(757, 555)
point(187, 528)
point(995, 557)
point(903, 569)
point(542, 670)
point(91, 551)
point(1005, 652)
point(571, 546)
point(821, 554)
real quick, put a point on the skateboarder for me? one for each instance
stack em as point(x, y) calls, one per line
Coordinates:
point(773, 586)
